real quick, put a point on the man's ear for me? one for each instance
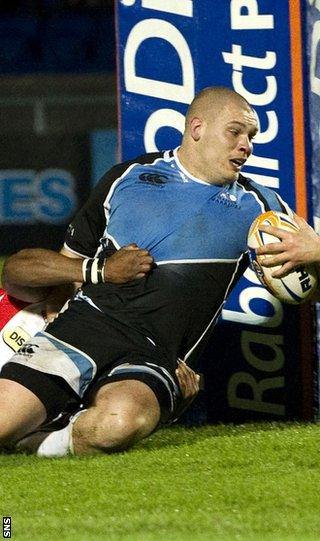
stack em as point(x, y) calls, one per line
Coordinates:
point(196, 128)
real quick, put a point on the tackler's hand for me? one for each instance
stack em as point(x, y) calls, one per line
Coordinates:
point(128, 263)
point(189, 381)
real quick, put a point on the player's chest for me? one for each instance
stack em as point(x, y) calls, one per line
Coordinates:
point(170, 205)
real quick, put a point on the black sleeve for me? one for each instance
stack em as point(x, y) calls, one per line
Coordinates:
point(88, 225)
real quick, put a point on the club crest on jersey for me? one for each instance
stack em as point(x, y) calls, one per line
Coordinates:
point(27, 350)
point(153, 178)
point(15, 337)
point(225, 198)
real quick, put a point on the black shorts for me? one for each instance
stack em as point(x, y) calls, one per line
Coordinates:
point(82, 350)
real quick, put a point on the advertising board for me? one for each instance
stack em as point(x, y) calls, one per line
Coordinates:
point(257, 365)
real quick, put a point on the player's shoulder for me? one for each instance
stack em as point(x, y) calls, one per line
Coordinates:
point(143, 159)
point(251, 185)
point(265, 196)
point(121, 170)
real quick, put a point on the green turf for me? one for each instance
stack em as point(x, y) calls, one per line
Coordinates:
point(248, 483)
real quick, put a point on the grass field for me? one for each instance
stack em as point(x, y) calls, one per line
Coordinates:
point(255, 482)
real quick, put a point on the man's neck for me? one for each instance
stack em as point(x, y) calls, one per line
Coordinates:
point(190, 161)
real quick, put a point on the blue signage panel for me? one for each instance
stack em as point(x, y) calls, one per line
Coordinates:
point(103, 147)
point(312, 20)
point(168, 50)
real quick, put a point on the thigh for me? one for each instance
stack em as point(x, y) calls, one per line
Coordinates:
point(52, 366)
point(50, 390)
point(160, 382)
point(132, 395)
point(82, 350)
point(107, 350)
point(21, 411)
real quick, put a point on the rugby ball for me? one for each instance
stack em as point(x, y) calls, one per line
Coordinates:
point(296, 287)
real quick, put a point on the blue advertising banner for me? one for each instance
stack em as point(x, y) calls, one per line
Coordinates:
point(313, 55)
point(103, 147)
point(313, 62)
point(168, 50)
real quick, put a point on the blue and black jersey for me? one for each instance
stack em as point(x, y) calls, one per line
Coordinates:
point(196, 233)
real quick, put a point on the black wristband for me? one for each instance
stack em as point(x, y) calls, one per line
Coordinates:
point(88, 271)
point(93, 270)
point(100, 271)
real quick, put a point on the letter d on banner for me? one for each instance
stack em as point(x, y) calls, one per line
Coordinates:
point(156, 28)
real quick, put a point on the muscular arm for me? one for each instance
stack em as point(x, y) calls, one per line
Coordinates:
point(30, 274)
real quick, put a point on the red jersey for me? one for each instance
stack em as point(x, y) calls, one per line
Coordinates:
point(19, 321)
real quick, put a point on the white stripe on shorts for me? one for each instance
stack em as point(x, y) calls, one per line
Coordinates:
point(136, 368)
point(48, 354)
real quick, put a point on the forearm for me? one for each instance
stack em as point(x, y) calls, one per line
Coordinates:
point(31, 273)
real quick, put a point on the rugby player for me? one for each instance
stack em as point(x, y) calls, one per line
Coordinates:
point(117, 346)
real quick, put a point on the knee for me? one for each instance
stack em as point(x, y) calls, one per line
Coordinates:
point(123, 412)
point(123, 430)
point(118, 430)
point(21, 412)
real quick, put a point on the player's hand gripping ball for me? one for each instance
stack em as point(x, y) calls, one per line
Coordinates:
point(300, 284)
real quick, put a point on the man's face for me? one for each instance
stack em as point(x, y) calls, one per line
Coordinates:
point(226, 142)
